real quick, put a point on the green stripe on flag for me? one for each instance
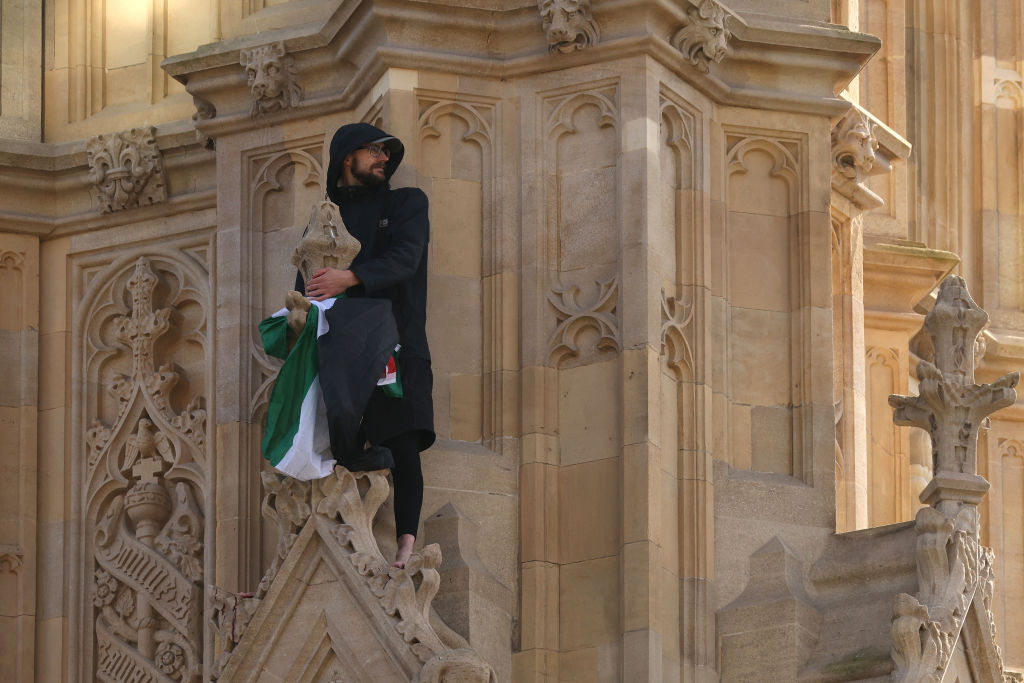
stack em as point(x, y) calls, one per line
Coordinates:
point(293, 381)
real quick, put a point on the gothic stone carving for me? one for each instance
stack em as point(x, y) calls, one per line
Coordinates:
point(144, 474)
point(950, 562)
point(676, 321)
point(704, 37)
point(854, 148)
point(126, 170)
point(951, 406)
point(568, 24)
point(343, 505)
point(325, 243)
point(575, 315)
point(272, 78)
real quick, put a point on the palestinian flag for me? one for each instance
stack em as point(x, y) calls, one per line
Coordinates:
point(297, 441)
point(313, 418)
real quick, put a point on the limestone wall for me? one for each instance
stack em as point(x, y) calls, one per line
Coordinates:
point(673, 279)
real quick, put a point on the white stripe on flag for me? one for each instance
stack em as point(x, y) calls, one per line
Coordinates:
point(310, 454)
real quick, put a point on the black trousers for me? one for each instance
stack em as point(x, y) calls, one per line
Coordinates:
point(408, 478)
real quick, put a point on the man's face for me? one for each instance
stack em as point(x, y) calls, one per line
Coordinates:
point(365, 169)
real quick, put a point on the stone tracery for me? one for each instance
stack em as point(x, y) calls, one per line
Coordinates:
point(145, 481)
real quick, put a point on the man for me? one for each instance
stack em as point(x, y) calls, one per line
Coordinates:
point(393, 229)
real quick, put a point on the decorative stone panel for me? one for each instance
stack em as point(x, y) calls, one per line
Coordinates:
point(145, 480)
point(126, 170)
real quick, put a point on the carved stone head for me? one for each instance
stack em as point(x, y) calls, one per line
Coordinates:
point(854, 146)
point(272, 78)
point(704, 38)
point(568, 24)
point(326, 243)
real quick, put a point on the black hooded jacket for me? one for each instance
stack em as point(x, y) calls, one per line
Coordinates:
point(393, 228)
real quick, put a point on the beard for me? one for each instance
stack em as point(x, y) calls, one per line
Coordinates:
point(369, 175)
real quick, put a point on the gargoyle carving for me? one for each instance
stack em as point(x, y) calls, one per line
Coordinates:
point(704, 38)
point(273, 79)
point(854, 145)
point(126, 169)
point(568, 24)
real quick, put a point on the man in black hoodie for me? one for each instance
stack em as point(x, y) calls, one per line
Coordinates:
point(393, 229)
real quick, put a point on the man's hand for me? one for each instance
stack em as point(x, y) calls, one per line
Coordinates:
point(328, 282)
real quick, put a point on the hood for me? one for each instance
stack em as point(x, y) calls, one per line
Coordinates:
point(351, 137)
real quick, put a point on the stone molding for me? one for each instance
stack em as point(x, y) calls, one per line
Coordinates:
point(569, 25)
point(126, 170)
point(951, 564)
point(273, 79)
point(338, 62)
point(340, 509)
point(704, 38)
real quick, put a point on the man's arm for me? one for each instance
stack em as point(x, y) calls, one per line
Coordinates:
point(410, 227)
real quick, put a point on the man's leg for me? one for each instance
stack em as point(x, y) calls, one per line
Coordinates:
point(408, 477)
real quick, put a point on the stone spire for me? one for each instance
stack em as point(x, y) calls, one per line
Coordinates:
point(951, 407)
point(952, 567)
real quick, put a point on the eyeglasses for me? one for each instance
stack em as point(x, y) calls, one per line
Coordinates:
point(377, 150)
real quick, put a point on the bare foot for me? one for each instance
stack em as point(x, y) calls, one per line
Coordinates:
point(405, 542)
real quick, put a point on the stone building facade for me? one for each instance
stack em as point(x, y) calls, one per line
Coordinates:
point(681, 255)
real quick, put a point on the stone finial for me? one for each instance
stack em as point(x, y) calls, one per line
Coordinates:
point(568, 24)
point(126, 169)
point(325, 243)
point(951, 563)
point(951, 407)
point(273, 79)
point(704, 38)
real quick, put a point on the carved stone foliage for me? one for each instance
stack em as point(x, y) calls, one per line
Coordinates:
point(126, 169)
point(951, 406)
point(704, 38)
point(342, 508)
point(273, 79)
point(569, 25)
point(951, 565)
point(146, 477)
point(578, 312)
point(676, 331)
